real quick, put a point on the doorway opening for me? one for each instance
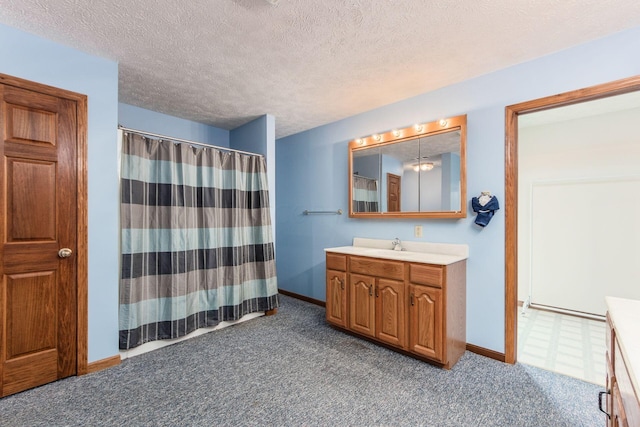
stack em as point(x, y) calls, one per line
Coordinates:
point(512, 237)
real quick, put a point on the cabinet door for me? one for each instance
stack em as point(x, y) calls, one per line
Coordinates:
point(390, 312)
point(336, 310)
point(361, 304)
point(426, 322)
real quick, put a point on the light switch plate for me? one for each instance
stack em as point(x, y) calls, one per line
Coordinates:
point(417, 231)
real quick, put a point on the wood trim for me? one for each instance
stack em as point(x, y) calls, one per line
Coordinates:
point(492, 354)
point(302, 297)
point(512, 112)
point(406, 134)
point(433, 215)
point(42, 88)
point(511, 235)
point(83, 243)
point(99, 365)
point(82, 212)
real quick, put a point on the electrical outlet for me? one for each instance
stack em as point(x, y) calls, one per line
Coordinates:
point(417, 231)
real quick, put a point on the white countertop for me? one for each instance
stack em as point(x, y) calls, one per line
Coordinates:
point(625, 316)
point(423, 252)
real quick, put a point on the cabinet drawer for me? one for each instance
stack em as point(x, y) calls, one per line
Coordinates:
point(336, 262)
point(379, 268)
point(426, 275)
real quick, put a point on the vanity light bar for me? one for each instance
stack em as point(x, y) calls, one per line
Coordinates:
point(408, 132)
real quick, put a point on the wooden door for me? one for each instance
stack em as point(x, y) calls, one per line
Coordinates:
point(362, 304)
point(336, 310)
point(38, 295)
point(393, 193)
point(425, 321)
point(390, 310)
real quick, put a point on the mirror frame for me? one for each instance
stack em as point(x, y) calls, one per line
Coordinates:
point(406, 134)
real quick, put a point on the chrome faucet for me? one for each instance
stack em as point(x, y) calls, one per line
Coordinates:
point(397, 246)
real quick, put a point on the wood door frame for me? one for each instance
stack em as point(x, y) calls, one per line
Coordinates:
point(512, 112)
point(82, 277)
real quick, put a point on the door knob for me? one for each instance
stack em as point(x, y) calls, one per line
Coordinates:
point(65, 253)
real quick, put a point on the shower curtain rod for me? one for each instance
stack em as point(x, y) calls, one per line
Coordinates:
point(364, 177)
point(141, 132)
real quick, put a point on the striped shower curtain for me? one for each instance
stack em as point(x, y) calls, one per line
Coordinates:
point(197, 243)
point(365, 194)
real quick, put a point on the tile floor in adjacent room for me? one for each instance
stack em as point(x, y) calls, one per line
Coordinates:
point(562, 343)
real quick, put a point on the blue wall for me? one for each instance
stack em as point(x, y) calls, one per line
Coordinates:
point(259, 136)
point(151, 121)
point(36, 59)
point(314, 173)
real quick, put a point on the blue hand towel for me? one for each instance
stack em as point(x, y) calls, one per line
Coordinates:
point(486, 212)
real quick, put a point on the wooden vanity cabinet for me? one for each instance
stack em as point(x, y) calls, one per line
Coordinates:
point(622, 400)
point(415, 308)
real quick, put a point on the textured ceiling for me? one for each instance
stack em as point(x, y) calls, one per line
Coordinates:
point(308, 62)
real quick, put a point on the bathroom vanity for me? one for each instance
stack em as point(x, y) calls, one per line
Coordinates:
point(623, 363)
point(412, 300)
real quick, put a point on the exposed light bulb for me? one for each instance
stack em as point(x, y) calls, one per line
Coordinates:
point(396, 133)
point(443, 122)
point(416, 168)
point(359, 141)
point(419, 128)
point(377, 137)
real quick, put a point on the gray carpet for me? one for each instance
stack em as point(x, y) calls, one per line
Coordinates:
point(291, 369)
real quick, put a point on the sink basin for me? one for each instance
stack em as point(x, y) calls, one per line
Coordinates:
point(388, 253)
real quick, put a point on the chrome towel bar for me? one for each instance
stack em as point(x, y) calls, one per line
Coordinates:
point(307, 212)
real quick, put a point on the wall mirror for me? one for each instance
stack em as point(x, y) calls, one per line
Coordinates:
point(415, 172)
